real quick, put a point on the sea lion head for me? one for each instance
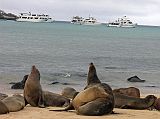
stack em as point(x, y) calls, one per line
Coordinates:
point(92, 75)
point(157, 104)
point(151, 99)
point(35, 72)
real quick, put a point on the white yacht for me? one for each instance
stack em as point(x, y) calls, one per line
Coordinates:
point(122, 22)
point(77, 20)
point(28, 17)
point(91, 21)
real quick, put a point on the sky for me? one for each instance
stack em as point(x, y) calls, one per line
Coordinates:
point(143, 12)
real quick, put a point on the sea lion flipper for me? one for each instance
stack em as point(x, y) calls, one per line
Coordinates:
point(69, 107)
point(41, 101)
point(124, 107)
point(25, 101)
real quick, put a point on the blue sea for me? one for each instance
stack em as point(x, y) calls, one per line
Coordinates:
point(62, 53)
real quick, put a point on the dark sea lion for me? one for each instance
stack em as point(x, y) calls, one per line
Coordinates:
point(130, 91)
point(2, 96)
point(14, 103)
point(69, 92)
point(33, 90)
point(135, 79)
point(3, 108)
point(126, 102)
point(56, 100)
point(20, 85)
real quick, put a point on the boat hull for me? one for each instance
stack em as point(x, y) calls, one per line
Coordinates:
point(31, 20)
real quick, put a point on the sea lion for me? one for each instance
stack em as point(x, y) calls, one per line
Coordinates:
point(96, 99)
point(130, 91)
point(69, 92)
point(127, 102)
point(92, 101)
point(135, 79)
point(33, 90)
point(3, 108)
point(56, 100)
point(157, 104)
point(2, 96)
point(20, 85)
point(14, 103)
point(92, 75)
point(99, 106)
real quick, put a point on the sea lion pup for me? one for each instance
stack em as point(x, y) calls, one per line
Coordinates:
point(33, 90)
point(3, 108)
point(69, 92)
point(130, 91)
point(126, 102)
point(2, 96)
point(56, 100)
point(14, 103)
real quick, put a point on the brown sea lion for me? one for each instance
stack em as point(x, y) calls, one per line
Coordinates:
point(96, 99)
point(157, 104)
point(3, 108)
point(103, 105)
point(92, 101)
point(56, 100)
point(33, 90)
point(127, 102)
point(2, 96)
point(14, 103)
point(69, 92)
point(130, 91)
point(99, 105)
point(92, 75)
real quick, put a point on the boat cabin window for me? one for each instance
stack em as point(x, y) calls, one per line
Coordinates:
point(24, 17)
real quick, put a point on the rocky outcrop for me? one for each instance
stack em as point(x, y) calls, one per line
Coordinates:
point(19, 85)
point(7, 16)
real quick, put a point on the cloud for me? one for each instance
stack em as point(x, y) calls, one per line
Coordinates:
point(142, 11)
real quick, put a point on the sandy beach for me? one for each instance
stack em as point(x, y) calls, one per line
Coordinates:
point(43, 113)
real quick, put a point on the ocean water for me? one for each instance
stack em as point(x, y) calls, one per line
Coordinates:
point(62, 53)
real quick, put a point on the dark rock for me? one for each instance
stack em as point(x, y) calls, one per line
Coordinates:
point(7, 16)
point(135, 79)
point(19, 85)
point(56, 82)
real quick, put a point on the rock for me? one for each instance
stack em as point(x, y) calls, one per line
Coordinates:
point(135, 79)
point(20, 85)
